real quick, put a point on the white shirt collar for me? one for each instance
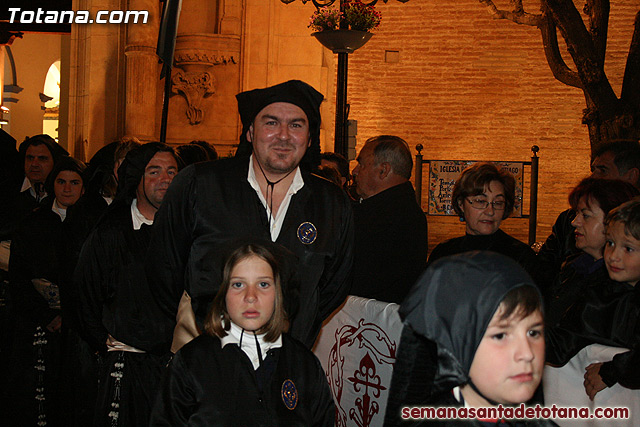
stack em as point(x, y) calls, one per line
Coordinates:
point(249, 343)
point(457, 394)
point(137, 217)
point(26, 186)
point(59, 209)
point(296, 185)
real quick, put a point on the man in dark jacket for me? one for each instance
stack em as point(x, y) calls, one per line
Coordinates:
point(390, 227)
point(265, 191)
point(615, 160)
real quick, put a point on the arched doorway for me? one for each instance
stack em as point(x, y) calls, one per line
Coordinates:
point(50, 95)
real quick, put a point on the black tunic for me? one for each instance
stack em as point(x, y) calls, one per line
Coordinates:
point(578, 273)
point(560, 244)
point(608, 313)
point(499, 242)
point(15, 209)
point(34, 353)
point(37, 253)
point(114, 295)
point(209, 204)
point(210, 385)
point(390, 244)
point(115, 300)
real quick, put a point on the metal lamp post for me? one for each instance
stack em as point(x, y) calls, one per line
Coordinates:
point(343, 51)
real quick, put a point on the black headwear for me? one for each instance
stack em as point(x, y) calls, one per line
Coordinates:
point(294, 92)
point(452, 305)
point(454, 301)
point(100, 168)
point(132, 168)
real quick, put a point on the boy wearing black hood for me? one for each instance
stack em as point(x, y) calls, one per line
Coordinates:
point(482, 314)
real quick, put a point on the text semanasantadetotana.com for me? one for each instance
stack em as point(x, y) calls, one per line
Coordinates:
point(41, 16)
point(513, 412)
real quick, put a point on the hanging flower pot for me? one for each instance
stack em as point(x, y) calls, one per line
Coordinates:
point(342, 41)
point(346, 30)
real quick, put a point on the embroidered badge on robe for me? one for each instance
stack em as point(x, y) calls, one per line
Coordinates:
point(289, 394)
point(307, 233)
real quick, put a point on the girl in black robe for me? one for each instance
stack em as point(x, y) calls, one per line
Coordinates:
point(244, 370)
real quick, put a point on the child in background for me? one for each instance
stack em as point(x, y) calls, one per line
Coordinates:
point(483, 313)
point(244, 370)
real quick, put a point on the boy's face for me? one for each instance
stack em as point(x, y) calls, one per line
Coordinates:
point(507, 367)
point(622, 254)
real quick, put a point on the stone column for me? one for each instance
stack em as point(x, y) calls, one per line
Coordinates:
point(142, 73)
point(206, 75)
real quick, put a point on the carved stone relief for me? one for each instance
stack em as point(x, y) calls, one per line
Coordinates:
point(194, 74)
point(194, 86)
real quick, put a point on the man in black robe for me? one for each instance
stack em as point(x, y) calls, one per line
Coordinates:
point(38, 154)
point(265, 191)
point(390, 227)
point(117, 316)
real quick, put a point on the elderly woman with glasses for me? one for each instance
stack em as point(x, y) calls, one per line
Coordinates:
point(483, 197)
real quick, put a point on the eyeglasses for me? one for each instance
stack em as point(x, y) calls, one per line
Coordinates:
point(498, 205)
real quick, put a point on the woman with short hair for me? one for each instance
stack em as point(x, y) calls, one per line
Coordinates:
point(591, 199)
point(483, 197)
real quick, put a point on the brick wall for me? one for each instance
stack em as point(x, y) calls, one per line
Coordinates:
point(470, 87)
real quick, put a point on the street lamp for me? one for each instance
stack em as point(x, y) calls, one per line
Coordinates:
point(340, 145)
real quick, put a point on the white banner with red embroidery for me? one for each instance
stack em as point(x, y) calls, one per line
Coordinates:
point(357, 349)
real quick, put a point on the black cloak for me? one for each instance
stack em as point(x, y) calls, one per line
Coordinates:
point(110, 279)
point(209, 385)
point(211, 203)
point(449, 308)
point(295, 92)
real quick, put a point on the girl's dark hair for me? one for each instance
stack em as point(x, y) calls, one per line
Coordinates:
point(218, 320)
point(475, 178)
point(64, 163)
point(522, 301)
point(608, 193)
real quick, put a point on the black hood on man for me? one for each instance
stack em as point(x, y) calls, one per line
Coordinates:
point(132, 168)
point(295, 92)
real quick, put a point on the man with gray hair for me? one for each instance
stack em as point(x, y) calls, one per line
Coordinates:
point(390, 227)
